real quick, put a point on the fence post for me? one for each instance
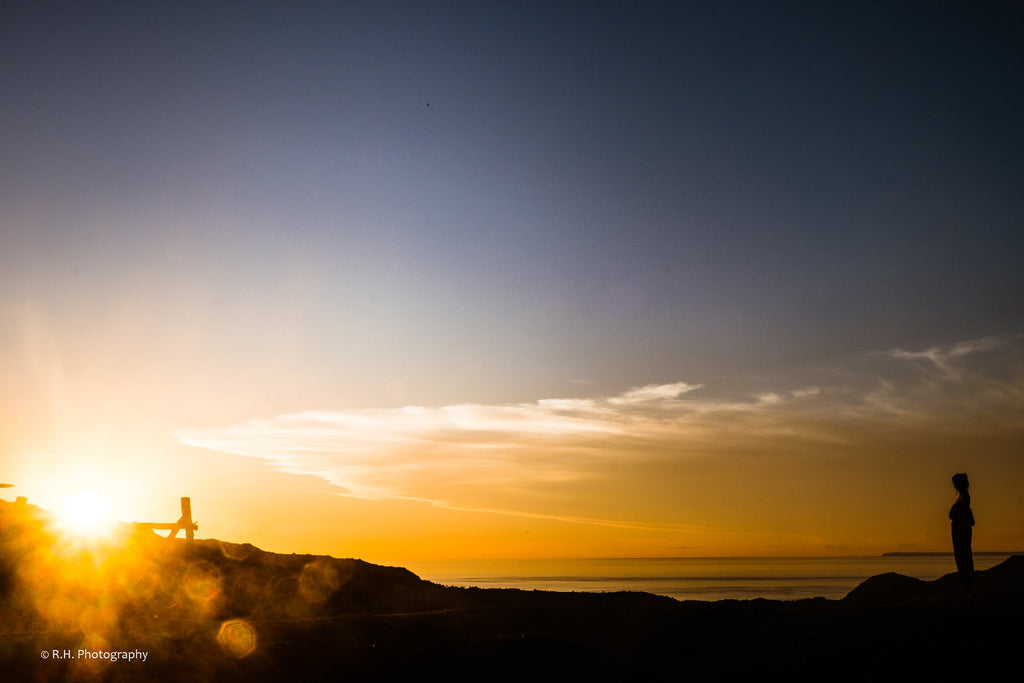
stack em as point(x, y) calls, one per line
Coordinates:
point(186, 518)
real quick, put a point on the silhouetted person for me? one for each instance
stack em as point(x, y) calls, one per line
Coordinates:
point(962, 521)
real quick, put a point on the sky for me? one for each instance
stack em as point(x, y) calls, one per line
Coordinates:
point(441, 280)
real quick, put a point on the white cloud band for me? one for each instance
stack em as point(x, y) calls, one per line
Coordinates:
point(458, 455)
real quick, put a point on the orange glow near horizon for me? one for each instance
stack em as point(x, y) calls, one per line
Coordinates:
point(670, 470)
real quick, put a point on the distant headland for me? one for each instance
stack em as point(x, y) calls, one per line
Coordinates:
point(983, 553)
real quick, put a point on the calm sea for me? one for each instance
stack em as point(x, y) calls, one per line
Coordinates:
point(741, 578)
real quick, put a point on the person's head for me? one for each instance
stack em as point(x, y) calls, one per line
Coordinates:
point(960, 482)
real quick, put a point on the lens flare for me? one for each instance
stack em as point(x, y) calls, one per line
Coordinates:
point(237, 637)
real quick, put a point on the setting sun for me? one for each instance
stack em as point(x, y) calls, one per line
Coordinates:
point(86, 513)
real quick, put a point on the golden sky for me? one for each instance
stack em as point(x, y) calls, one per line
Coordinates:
point(844, 460)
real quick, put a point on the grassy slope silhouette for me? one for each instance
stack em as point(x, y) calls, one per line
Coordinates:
point(223, 611)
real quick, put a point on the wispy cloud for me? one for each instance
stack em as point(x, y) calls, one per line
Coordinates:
point(945, 360)
point(393, 453)
point(463, 456)
point(653, 394)
point(978, 376)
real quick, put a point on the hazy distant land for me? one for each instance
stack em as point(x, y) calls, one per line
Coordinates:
point(977, 553)
point(221, 611)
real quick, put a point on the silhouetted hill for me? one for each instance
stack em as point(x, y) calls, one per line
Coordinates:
point(1000, 585)
point(216, 611)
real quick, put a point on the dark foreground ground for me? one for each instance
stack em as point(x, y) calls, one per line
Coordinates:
point(224, 612)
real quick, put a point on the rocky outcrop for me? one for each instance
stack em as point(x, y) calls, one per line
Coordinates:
point(1002, 584)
